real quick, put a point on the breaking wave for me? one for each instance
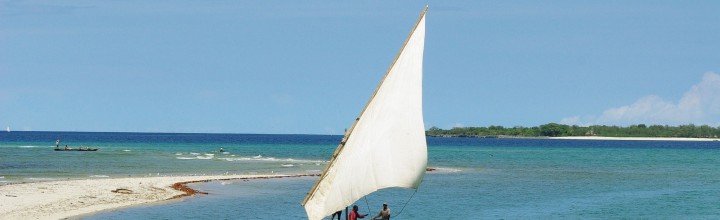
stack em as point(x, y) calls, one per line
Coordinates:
point(194, 156)
point(446, 170)
point(40, 179)
point(208, 157)
point(286, 162)
point(270, 159)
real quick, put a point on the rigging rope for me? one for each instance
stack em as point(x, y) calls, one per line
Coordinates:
point(367, 204)
point(403, 208)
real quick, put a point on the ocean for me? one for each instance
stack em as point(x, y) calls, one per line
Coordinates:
point(476, 178)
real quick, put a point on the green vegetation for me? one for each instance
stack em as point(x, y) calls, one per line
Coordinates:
point(558, 130)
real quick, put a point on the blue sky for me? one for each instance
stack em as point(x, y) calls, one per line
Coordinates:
point(309, 66)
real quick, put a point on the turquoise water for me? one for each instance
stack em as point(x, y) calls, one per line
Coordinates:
point(478, 179)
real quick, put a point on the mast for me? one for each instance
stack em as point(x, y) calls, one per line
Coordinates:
point(349, 133)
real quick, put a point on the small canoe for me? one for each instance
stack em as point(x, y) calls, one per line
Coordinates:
point(88, 149)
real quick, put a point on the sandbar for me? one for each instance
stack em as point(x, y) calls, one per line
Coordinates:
point(67, 198)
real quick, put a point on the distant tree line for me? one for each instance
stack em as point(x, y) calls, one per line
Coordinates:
point(559, 130)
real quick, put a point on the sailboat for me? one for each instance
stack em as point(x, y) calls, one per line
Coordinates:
point(385, 147)
point(7, 128)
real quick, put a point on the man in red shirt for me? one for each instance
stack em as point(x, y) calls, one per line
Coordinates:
point(354, 215)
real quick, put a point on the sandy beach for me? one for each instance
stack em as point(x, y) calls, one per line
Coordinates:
point(62, 199)
point(635, 138)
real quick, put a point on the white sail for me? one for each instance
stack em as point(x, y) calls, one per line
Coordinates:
point(386, 146)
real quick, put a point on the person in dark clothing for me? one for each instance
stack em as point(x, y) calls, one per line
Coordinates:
point(338, 213)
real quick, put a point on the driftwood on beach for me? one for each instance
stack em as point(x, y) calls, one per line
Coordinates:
point(182, 186)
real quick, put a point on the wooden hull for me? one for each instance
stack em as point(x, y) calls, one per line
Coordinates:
point(90, 149)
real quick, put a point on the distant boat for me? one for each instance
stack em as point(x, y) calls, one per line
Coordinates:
point(85, 149)
point(66, 148)
point(385, 147)
point(7, 128)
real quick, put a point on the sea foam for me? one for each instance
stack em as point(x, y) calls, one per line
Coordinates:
point(40, 178)
point(271, 159)
point(446, 170)
point(207, 157)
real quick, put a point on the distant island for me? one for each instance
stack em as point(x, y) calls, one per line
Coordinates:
point(560, 130)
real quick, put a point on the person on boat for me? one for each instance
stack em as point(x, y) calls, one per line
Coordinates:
point(338, 213)
point(384, 213)
point(354, 215)
point(222, 150)
point(67, 148)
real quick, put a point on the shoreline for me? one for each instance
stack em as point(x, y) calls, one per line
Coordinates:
point(581, 138)
point(68, 198)
point(633, 138)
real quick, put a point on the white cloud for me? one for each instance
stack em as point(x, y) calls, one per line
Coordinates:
point(699, 105)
